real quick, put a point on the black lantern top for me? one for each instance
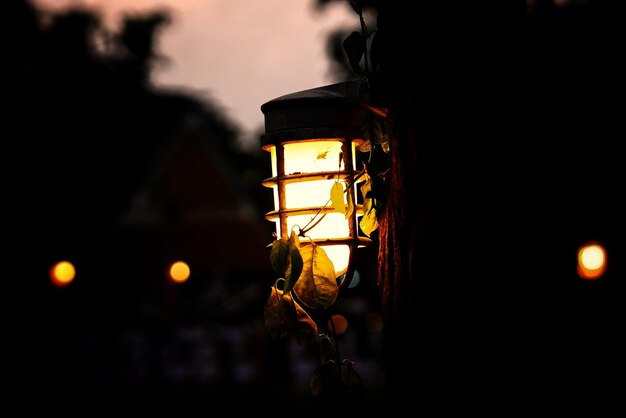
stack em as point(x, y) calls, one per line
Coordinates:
point(331, 111)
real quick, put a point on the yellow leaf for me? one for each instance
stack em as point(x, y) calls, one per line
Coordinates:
point(317, 285)
point(350, 210)
point(369, 222)
point(365, 188)
point(336, 197)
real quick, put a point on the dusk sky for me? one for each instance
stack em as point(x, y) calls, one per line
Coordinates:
point(239, 53)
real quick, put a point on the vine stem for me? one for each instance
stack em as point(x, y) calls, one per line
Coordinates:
point(306, 227)
point(359, 10)
point(337, 355)
point(365, 36)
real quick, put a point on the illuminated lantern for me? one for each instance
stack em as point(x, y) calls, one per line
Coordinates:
point(312, 137)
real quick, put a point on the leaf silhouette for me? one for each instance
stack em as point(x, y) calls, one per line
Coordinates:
point(274, 322)
point(355, 48)
point(294, 265)
point(375, 49)
point(369, 221)
point(279, 257)
point(325, 383)
point(352, 383)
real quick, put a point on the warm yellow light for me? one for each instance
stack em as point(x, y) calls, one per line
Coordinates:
point(340, 324)
point(313, 156)
point(591, 261)
point(310, 193)
point(179, 271)
point(321, 160)
point(333, 225)
point(62, 273)
point(340, 256)
point(273, 160)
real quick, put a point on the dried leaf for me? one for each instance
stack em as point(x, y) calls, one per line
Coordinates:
point(325, 382)
point(284, 317)
point(274, 322)
point(352, 382)
point(365, 146)
point(336, 197)
point(305, 329)
point(380, 133)
point(294, 265)
point(317, 285)
point(279, 257)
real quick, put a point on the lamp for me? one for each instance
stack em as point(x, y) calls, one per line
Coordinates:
point(312, 135)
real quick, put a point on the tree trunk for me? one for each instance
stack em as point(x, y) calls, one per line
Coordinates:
point(438, 233)
point(489, 201)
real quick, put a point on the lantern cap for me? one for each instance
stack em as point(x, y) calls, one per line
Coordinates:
point(332, 111)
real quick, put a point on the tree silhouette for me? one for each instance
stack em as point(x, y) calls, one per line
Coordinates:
point(87, 130)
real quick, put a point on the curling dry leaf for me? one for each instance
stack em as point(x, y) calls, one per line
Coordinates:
point(365, 146)
point(352, 382)
point(317, 285)
point(325, 382)
point(284, 317)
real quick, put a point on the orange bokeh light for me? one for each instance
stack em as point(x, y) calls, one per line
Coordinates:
point(62, 273)
point(340, 322)
point(179, 272)
point(591, 261)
